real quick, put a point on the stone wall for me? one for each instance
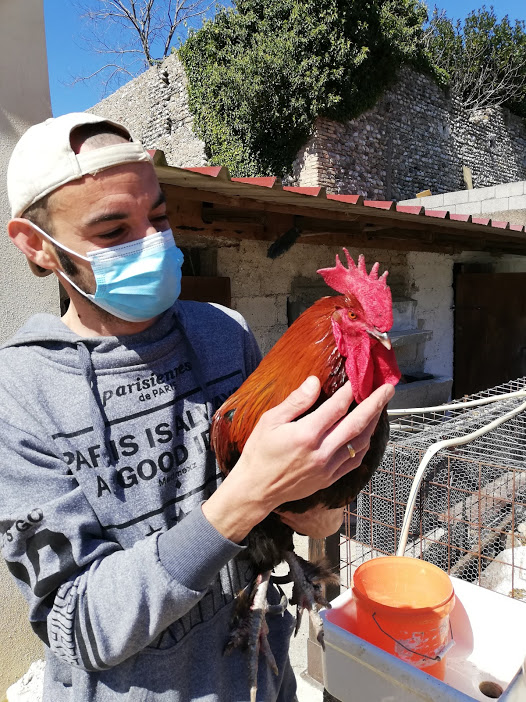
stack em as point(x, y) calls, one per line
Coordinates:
point(414, 139)
point(154, 106)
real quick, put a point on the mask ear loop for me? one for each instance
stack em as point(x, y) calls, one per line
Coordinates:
point(68, 250)
point(57, 243)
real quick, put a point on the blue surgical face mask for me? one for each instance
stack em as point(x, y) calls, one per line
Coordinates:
point(135, 281)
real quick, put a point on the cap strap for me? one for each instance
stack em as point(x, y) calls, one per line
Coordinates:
point(109, 156)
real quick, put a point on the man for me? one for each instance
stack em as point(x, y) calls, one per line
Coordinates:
point(115, 522)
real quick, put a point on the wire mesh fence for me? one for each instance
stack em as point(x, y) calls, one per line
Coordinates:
point(470, 513)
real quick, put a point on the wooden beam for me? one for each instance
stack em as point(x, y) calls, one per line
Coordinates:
point(242, 217)
point(328, 549)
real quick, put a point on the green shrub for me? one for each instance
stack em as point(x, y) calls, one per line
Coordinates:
point(260, 73)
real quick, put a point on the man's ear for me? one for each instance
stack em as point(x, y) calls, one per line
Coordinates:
point(40, 254)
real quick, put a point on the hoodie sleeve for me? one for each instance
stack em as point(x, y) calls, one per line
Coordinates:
point(92, 602)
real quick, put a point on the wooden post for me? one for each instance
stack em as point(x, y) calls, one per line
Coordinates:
point(329, 549)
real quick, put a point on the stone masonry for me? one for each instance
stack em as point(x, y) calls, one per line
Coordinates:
point(415, 138)
point(154, 106)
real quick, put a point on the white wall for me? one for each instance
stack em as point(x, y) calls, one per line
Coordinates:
point(431, 276)
point(24, 100)
point(479, 202)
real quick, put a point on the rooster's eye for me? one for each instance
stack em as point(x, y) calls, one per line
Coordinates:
point(351, 315)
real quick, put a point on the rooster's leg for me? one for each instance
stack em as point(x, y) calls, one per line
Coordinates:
point(250, 628)
point(307, 590)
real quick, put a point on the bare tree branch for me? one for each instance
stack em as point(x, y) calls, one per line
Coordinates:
point(99, 70)
point(484, 59)
point(133, 28)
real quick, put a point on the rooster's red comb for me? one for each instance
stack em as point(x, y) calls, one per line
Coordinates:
point(345, 280)
point(372, 291)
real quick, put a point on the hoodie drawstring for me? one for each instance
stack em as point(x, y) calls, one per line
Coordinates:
point(97, 414)
point(98, 417)
point(196, 365)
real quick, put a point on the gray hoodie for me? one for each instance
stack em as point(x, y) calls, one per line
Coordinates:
point(105, 461)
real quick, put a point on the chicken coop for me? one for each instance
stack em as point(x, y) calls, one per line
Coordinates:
point(469, 509)
point(451, 490)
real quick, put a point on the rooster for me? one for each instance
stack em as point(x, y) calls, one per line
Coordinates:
point(338, 338)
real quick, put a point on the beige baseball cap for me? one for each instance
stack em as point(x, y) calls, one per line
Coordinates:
point(43, 160)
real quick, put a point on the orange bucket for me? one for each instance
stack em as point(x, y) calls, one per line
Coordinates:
point(402, 605)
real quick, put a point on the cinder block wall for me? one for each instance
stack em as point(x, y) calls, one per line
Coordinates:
point(261, 287)
point(507, 200)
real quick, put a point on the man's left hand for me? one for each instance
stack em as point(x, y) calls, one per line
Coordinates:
point(317, 522)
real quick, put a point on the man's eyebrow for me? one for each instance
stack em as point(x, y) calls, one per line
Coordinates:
point(160, 200)
point(112, 216)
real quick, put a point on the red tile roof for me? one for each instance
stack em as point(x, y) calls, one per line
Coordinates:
point(271, 190)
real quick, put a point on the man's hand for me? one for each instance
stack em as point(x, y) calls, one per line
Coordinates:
point(286, 458)
point(317, 522)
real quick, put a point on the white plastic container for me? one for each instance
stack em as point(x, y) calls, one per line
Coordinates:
point(490, 645)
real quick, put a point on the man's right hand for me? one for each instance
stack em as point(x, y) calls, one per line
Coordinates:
point(286, 458)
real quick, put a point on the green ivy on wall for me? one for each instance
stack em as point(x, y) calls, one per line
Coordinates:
point(260, 73)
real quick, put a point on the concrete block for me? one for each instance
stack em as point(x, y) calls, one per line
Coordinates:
point(494, 205)
point(414, 201)
point(455, 198)
point(404, 314)
point(258, 311)
point(274, 279)
point(469, 208)
point(431, 201)
point(478, 194)
point(517, 202)
point(509, 189)
point(422, 393)
point(267, 337)
point(281, 310)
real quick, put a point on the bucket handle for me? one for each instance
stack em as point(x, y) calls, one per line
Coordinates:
point(439, 655)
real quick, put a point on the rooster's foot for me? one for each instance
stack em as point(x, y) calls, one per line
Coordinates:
point(250, 629)
point(307, 594)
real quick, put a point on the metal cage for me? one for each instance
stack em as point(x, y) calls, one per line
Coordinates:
point(469, 516)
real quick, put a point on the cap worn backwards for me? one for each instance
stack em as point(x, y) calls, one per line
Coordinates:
point(43, 159)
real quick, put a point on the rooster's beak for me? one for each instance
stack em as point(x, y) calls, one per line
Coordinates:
point(381, 336)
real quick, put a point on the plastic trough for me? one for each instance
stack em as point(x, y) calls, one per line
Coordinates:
point(490, 645)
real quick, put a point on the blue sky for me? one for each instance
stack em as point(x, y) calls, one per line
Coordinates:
point(67, 58)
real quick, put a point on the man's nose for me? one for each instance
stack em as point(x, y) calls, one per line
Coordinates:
point(146, 229)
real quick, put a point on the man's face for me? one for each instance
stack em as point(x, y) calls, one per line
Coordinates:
point(116, 206)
